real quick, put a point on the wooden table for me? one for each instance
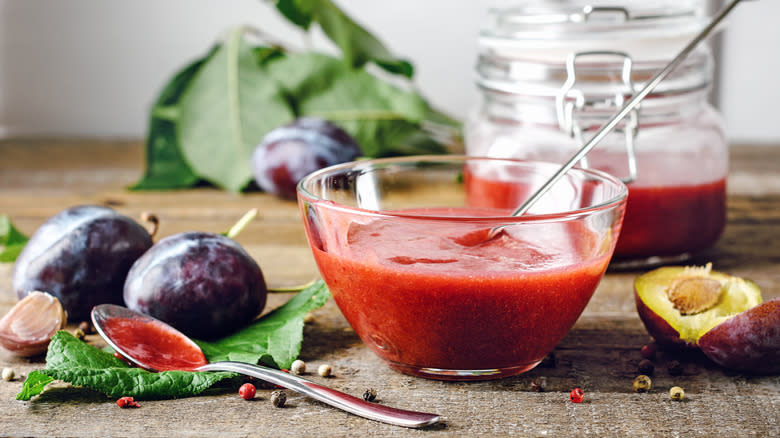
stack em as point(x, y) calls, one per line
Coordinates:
point(601, 353)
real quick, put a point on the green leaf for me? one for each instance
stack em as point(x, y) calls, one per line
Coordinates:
point(34, 384)
point(166, 167)
point(384, 120)
point(275, 339)
point(299, 12)
point(12, 241)
point(263, 55)
point(71, 360)
point(226, 110)
point(357, 45)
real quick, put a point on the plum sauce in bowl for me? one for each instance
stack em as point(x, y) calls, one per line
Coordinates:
point(402, 245)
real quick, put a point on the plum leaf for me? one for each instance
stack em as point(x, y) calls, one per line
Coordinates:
point(12, 241)
point(275, 339)
point(73, 361)
point(166, 167)
point(382, 118)
point(358, 46)
point(225, 111)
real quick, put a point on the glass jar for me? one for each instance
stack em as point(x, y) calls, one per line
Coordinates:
point(552, 73)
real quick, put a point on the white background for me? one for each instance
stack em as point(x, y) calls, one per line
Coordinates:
point(92, 68)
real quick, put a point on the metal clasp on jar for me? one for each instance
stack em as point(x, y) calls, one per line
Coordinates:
point(570, 100)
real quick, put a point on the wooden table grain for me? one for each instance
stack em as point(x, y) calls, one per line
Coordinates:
point(41, 177)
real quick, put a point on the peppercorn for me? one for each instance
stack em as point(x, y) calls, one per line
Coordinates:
point(369, 394)
point(127, 402)
point(324, 370)
point(247, 391)
point(86, 327)
point(676, 393)
point(577, 395)
point(642, 383)
point(648, 351)
point(539, 384)
point(675, 368)
point(646, 367)
point(298, 367)
point(278, 398)
point(8, 374)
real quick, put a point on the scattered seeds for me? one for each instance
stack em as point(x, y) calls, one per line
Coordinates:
point(8, 374)
point(127, 402)
point(642, 383)
point(247, 391)
point(86, 327)
point(278, 398)
point(298, 367)
point(676, 393)
point(577, 395)
point(648, 351)
point(79, 334)
point(324, 370)
point(675, 368)
point(646, 367)
point(369, 394)
point(539, 384)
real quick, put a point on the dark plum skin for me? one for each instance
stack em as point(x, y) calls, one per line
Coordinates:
point(203, 284)
point(748, 341)
point(290, 152)
point(81, 255)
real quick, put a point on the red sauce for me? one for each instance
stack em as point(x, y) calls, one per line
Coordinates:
point(421, 299)
point(659, 221)
point(156, 345)
point(672, 220)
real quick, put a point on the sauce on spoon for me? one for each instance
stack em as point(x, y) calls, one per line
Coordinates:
point(153, 345)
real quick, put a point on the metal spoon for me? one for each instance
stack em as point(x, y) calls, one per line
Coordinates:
point(612, 123)
point(160, 359)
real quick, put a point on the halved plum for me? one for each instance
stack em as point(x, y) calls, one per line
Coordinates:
point(680, 304)
point(722, 315)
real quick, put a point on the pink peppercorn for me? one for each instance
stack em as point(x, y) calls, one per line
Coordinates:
point(247, 391)
point(127, 402)
point(576, 395)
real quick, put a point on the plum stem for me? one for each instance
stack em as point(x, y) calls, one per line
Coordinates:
point(239, 226)
point(296, 288)
point(153, 221)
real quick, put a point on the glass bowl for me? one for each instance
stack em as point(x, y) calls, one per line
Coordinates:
point(403, 245)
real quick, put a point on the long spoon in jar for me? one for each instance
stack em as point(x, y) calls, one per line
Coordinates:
point(613, 122)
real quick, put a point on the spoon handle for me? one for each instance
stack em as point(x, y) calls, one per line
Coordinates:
point(346, 402)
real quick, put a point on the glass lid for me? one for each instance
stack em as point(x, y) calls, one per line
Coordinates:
point(645, 29)
point(554, 20)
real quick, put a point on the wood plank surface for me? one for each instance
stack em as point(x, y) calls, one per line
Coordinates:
point(39, 178)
